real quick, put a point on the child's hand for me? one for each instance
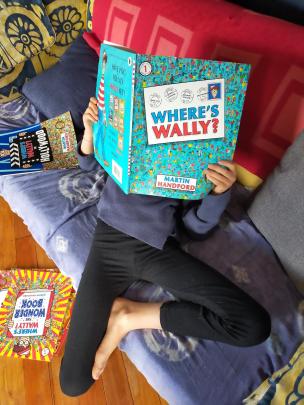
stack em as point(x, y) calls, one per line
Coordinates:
point(222, 178)
point(89, 117)
point(91, 114)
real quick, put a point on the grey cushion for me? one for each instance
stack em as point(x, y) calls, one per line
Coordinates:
point(290, 10)
point(278, 211)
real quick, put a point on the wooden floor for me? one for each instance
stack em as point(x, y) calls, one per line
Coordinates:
point(26, 382)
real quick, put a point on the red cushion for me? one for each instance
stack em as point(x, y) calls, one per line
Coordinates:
point(274, 108)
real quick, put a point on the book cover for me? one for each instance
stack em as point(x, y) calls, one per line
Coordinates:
point(66, 325)
point(5, 282)
point(163, 119)
point(48, 145)
point(34, 313)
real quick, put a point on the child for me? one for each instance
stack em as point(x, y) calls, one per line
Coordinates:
point(132, 242)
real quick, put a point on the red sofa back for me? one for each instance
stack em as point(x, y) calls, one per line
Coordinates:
point(214, 29)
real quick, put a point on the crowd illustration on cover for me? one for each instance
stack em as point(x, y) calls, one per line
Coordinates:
point(50, 144)
point(162, 120)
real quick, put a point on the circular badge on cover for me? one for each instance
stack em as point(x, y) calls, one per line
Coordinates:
point(187, 96)
point(171, 94)
point(145, 68)
point(155, 100)
point(202, 94)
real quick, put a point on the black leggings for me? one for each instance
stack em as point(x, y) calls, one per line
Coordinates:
point(209, 306)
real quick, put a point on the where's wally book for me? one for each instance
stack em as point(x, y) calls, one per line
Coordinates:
point(48, 145)
point(33, 312)
point(162, 120)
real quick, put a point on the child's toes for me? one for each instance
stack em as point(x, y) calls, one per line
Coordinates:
point(98, 367)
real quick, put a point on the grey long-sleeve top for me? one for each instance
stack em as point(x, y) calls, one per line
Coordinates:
point(153, 219)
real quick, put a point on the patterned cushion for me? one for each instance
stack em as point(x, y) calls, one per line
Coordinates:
point(90, 7)
point(68, 18)
point(274, 107)
point(285, 386)
point(25, 30)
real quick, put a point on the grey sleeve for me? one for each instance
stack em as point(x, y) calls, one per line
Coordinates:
point(87, 162)
point(200, 219)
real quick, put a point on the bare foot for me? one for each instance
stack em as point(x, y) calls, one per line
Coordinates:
point(116, 330)
point(126, 315)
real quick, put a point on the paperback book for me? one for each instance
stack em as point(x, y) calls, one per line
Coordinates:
point(162, 120)
point(34, 312)
point(48, 145)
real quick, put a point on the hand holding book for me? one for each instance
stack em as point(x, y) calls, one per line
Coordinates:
point(222, 177)
point(89, 117)
point(91, 114)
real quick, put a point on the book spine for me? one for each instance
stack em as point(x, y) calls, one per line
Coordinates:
point(131, 125)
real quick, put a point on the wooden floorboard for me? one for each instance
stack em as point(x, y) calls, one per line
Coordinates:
point(115, 381)
point(138, 385)
point(26, 382)
point(37, 385)
point(7, 237)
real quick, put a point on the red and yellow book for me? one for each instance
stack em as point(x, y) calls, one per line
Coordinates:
point(35, 311)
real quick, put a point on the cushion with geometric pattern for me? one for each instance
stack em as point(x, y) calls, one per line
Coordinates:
point(25, 30)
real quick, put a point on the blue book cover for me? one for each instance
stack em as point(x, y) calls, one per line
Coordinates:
point(163, 119)
point(47, 145)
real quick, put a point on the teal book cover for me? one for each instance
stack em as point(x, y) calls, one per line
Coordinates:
point(163, 119)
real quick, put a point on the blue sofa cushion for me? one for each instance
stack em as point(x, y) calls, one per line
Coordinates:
point(67, 86)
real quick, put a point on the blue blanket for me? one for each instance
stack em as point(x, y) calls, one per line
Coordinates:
point(59, 208)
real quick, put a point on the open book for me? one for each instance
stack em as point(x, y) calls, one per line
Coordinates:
point(163, 119)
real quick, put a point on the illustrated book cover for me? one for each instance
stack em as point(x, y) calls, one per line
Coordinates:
point(162, 120)
point(48, 145)
point(5, 281)
point(65, 325)
point(35, 310)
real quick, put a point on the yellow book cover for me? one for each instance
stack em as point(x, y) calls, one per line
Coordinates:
point(32, 313)
point(66, 325)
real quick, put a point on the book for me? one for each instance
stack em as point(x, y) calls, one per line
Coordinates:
point(50, 144)
point(35, 311)
point(162, 120)
point(5, 281)
point(65, 325)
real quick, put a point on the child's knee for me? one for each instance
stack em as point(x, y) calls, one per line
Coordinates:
point(258, 328)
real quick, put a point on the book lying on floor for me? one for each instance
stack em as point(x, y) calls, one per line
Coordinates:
point(163, 119)
point(5, 281)
point(34, 312)
point(65, 325)
point(48, 145)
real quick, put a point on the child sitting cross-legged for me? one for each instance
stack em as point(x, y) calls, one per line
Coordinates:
point(133, 241)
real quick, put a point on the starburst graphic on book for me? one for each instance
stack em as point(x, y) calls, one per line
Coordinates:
point(33, 314)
